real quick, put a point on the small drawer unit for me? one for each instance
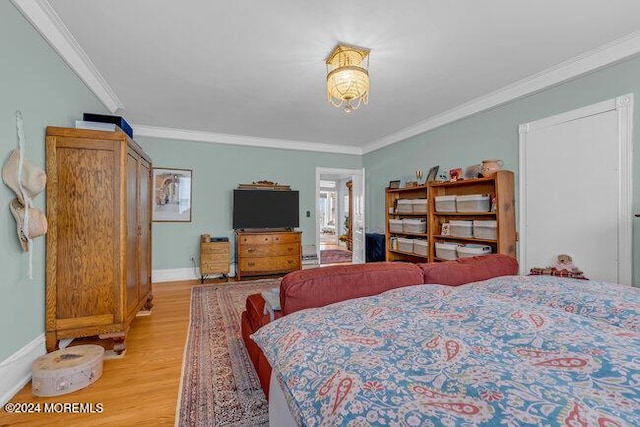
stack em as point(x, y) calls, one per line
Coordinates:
point(445, 203)
point(473, 203)
point(461, 228)
point(214, 258)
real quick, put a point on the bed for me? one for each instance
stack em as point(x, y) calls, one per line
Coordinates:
point(507, 351)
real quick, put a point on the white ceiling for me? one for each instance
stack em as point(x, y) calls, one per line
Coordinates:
point(256, 68)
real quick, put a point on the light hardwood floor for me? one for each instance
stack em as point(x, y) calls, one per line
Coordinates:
point(142, 387)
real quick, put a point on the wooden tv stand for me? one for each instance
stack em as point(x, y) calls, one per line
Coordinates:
point(262, 253)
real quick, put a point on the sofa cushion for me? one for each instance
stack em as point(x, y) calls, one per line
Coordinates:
point(318, 287)
point(467, 270)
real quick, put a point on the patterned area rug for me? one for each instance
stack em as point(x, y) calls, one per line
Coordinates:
point(334, 256)
point(219, 386)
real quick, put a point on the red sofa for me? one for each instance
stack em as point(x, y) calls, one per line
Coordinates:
point(318, 287)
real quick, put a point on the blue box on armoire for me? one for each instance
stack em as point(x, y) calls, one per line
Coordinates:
point(104, 118)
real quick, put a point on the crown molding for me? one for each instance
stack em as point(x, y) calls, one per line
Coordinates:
point(595, 59)
point(221, 138)
point(46, 21)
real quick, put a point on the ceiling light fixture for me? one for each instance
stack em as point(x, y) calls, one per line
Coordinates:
point(348, 77)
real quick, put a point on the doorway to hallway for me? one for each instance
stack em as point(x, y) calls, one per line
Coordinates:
point(335, 211)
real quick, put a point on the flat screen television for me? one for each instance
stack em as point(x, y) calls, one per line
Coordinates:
point(265, 209)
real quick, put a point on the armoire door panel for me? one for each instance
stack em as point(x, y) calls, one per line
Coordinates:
point(131, 290)
point(144, 218)
point(85, 205)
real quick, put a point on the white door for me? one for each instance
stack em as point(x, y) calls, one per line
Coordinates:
point(358, 235)
point(575, 190)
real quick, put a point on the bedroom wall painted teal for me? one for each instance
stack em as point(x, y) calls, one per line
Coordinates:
point(217, 170)
point(36, 81)
point(494, 134)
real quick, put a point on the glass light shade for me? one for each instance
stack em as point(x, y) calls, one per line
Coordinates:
point(347, 77)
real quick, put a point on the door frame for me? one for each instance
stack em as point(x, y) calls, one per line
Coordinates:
point(623, 105)
point(324, 171)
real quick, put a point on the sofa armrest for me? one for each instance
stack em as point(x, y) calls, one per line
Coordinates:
point(467, 270)
point(318, 287)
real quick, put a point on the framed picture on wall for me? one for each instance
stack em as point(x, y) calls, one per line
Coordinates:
point(171, 195)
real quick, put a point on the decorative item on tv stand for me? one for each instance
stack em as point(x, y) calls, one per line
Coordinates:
point(264, 185)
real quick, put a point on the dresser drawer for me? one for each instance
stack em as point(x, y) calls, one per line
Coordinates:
point(214, 267)
point(258, 239)
point(252, 251)
point(286, 238)
point(276, 263)
point(216, 258)
point(214, 248)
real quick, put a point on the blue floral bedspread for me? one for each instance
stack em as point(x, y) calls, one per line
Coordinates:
point(433, 355)
point(610, 302)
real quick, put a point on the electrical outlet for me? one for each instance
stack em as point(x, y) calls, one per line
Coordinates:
point(193, 258)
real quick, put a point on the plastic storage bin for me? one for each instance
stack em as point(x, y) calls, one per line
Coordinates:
point(405, 245)
point(461, 228)
point(473, 203)
point(411, 225)
point(419, 205)
point(445, 203)
point(466, 251)
point(420, 247)
point(395, 226)
point(404, 206)
point(485, 229)
point(446, 250)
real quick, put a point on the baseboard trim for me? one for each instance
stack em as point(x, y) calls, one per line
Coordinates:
point(15, 371)
point(173, 274)
point(178, 274)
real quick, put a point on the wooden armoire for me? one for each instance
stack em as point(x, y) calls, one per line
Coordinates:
point(98, 274)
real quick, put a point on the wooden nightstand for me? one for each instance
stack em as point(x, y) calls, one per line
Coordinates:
point(214, 258)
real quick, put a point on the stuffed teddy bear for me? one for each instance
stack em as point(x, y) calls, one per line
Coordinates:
point(565, 262)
